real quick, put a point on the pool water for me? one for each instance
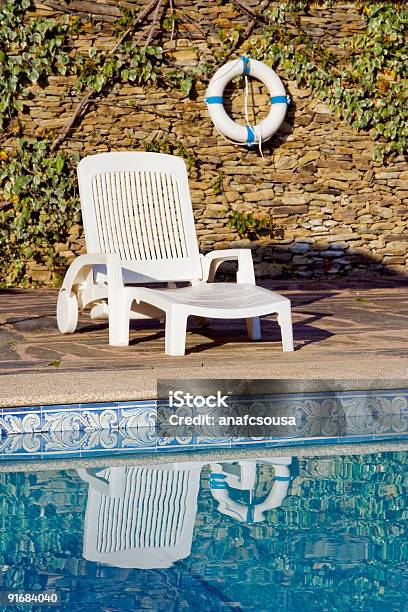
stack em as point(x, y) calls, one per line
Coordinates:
point(307, 534)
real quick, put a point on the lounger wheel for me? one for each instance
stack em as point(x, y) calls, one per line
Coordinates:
point(67, 312)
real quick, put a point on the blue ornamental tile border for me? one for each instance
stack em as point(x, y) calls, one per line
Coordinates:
point(319, 416)
point(110, 443)
point(76, 417)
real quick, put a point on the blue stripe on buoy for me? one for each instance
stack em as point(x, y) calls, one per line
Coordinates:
point(246, 63)
point(217, 481)
point(279, 100)
point(218, 485)
point(250, 135)
point(214, 100)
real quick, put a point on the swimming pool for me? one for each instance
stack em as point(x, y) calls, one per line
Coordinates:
point(280, 533)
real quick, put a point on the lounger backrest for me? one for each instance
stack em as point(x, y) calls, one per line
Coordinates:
point(150, 514)
point(150, 525)
point(138, 206)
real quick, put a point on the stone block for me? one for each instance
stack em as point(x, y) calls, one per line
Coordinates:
point(392, 259)
point(185, 55)
point(308, 157)
point(300, 247)
point(396, 237)
point(75, 230)
point(261, 194)
point(341, 237)
point(60, 247)
point(288, 210)
point(339, 175)
point(40, 276)
point(295, 199)
point(396, 248)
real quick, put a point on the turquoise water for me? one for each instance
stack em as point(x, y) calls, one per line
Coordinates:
point(310, 534)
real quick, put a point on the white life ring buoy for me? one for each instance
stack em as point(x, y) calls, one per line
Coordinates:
point(214, 99)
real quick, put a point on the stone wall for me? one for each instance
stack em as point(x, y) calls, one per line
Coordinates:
point(336, 212)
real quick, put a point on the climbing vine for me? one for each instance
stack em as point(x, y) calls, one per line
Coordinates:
point(28, 52)
point(39, 206)
point(253, 225)
point(129, 64)
point(161, 145)
point(364, 84)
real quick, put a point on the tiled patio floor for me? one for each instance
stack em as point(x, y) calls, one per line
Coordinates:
point(342, 329)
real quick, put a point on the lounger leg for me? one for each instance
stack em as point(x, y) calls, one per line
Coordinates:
point(119, 318)
point(176, 326)
point(254, 328)
point(285, 322)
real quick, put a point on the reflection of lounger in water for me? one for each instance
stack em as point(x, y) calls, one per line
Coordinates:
point(143, 517)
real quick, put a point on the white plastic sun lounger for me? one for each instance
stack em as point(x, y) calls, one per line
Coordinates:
point(139, 230)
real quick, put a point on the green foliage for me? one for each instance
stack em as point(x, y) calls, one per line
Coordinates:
point(39, 205)
point(181, 79)
point(28, 52)
point(170, 22)
point(159, 145)
point(217, 185)
point(247, 224)
point(129, 63)
point(126, 20)
point(55, 363)
point(252, 226)
point(364, 84)
point(33, 49)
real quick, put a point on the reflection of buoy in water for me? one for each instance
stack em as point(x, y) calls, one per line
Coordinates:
point(222, 481)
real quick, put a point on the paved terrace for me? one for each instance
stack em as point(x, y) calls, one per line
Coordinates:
point(351, 330)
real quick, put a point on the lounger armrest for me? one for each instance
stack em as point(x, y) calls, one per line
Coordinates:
point(81, 266)
point(112, 487)
point(212, 261)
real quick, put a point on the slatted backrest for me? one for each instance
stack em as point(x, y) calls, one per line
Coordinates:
point(138, 206)
point(151, 513)
point(146, 520)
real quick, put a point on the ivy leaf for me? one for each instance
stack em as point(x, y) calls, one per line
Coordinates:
point(34, 75)
point(99, 82)
point(186, 84)
point(18, 105)
point(59, 164)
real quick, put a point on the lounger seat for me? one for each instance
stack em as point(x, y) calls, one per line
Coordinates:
point(223, 300)
point(139, 230)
